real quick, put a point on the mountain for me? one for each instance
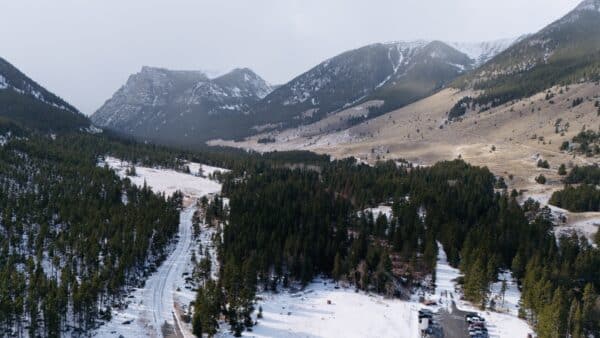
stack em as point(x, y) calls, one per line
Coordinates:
point(396, 73)
point(566, 51)
point(188, 107)
point(181, 107)
point(27, 103)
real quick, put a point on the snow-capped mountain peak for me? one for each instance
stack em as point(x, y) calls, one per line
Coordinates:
point(246, 81)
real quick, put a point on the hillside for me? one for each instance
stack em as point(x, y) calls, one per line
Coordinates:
point(566, 51)
point(27, 103)
point(181, 107)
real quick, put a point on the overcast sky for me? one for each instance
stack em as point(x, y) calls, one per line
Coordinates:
point(85, 50)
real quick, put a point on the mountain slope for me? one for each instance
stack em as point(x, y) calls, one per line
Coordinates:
point(25, 102)
point(188, 108)
point(181, 107)
point(391, 74)
point(398, 73)
point(565, 51)
point(434, 66)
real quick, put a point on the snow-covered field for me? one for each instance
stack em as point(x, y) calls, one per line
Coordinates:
point(168, 181)
point(350, 314)
point(154, 305)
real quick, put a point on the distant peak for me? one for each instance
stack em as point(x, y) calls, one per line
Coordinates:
point(242, 71)
point(241, 74)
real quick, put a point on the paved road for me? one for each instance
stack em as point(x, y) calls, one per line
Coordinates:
point(453, 322)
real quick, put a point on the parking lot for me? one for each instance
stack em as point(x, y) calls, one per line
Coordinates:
point(454, 324)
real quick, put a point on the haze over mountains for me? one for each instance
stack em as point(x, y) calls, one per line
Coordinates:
point(187, 108)
point(175, 106)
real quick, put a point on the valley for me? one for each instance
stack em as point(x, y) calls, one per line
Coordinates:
point(420, 188)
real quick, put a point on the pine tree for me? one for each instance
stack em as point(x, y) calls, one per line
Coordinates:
point(552, 318)
point(575, 320)
point(562, 170)
point(338, 269)
point(589, 315)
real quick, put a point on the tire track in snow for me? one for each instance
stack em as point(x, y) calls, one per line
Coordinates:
point(163, 301)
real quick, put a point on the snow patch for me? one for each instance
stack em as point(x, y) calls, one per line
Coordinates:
point(482, 52)
point(3, 82)
point(380, 210)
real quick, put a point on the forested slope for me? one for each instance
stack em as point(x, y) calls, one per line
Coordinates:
point(292, 225)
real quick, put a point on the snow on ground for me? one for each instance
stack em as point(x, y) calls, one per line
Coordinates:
point(445, 279)
point(350, 314)
point(543, 199)
point(288, 314)
point(206, 169)
point(500, 325)
point(307, 313)
point(586, 227)
point(581, 223)
point(154, 304)
point(166, 180)
point(380, 210)
point(512, 295)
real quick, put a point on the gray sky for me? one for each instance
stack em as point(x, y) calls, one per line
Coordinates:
point(85, 50)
